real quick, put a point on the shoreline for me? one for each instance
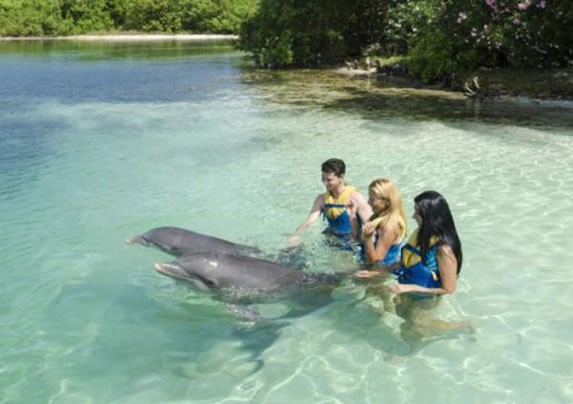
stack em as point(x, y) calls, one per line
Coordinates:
point(127, 37)
point(537, 95)
point(534, 88)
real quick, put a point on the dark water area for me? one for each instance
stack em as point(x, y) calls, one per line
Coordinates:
point(70, 71)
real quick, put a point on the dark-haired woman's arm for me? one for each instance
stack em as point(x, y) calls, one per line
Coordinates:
point(448, 266)
point(372, 273)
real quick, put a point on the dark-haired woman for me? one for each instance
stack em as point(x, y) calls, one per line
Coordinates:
point(432, 258)
point(431, 263)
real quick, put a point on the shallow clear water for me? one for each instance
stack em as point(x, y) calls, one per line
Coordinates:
point(102, 141)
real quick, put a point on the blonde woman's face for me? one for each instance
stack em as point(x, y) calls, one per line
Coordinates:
point(378, 204)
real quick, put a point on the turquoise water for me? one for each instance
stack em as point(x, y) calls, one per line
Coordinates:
point(102, 141)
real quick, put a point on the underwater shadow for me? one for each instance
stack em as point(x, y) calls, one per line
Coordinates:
point(186, 340)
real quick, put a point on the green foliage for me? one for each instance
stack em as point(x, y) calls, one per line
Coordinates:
point(439, 36)
point(66, 17)
point(80, 16)
point(529, 33)
point(27, 18)
point(442, 36)
point(320, 31)
point(230, 16)
point(406, 19)
point(431, 57)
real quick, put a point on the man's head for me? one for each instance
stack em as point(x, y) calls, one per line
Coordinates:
point(333, 171)
point(334, 166)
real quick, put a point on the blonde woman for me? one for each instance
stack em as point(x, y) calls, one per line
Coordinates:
point(386, 229)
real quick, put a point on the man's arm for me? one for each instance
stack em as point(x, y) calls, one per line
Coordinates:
point(363, 210)
point(314, 214)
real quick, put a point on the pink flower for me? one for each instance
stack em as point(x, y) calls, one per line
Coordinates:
point(491, 4)
point(541, 4)
point(462, 16)
point(524, 5)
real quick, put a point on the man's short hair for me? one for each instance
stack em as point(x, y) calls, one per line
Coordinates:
point(335, 166)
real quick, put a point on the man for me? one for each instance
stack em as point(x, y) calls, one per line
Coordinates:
point(344, 208)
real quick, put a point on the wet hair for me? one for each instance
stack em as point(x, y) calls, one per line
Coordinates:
point(335, 166)
point(385, 189)
point(437, 221)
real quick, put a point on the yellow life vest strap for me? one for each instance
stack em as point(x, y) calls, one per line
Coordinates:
point(334, 207)
point(411, 258)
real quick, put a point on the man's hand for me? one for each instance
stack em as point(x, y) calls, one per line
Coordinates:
point(293, 241)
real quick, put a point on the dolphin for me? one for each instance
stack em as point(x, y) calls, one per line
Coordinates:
point(180, 242)
point(240, 280)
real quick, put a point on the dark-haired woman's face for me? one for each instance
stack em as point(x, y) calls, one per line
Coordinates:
point(416, 216)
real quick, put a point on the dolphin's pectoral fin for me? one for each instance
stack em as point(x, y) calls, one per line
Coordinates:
point(248, 313)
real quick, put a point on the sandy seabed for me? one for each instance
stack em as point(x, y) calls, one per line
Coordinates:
point(127, 37)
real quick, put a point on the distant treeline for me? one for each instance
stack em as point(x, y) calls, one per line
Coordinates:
point(72, 17)
point(436, 37)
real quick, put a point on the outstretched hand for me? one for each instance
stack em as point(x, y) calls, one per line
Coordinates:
point(293, 241)
point(401, 288)
point(368, 274)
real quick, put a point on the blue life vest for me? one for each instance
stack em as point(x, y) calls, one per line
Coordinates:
point(415, 271)
point(336, 214)
point(422, 274)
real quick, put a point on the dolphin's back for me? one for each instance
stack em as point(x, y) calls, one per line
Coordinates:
point(240, 280)
point(241, 272)
point(180, 242)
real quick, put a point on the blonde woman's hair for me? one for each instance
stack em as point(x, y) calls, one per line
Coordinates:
point(394, 213)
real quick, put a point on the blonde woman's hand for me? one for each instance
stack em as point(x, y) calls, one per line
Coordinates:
point(352, 207)
point(368, 229)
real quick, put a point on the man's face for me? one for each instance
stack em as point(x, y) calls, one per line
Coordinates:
point(331, 181)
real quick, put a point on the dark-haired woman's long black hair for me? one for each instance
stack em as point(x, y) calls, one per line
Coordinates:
point(437, 221)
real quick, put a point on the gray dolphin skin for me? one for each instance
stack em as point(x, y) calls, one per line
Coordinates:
point(245, 280)
point(179, 242)
point(208, 272)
